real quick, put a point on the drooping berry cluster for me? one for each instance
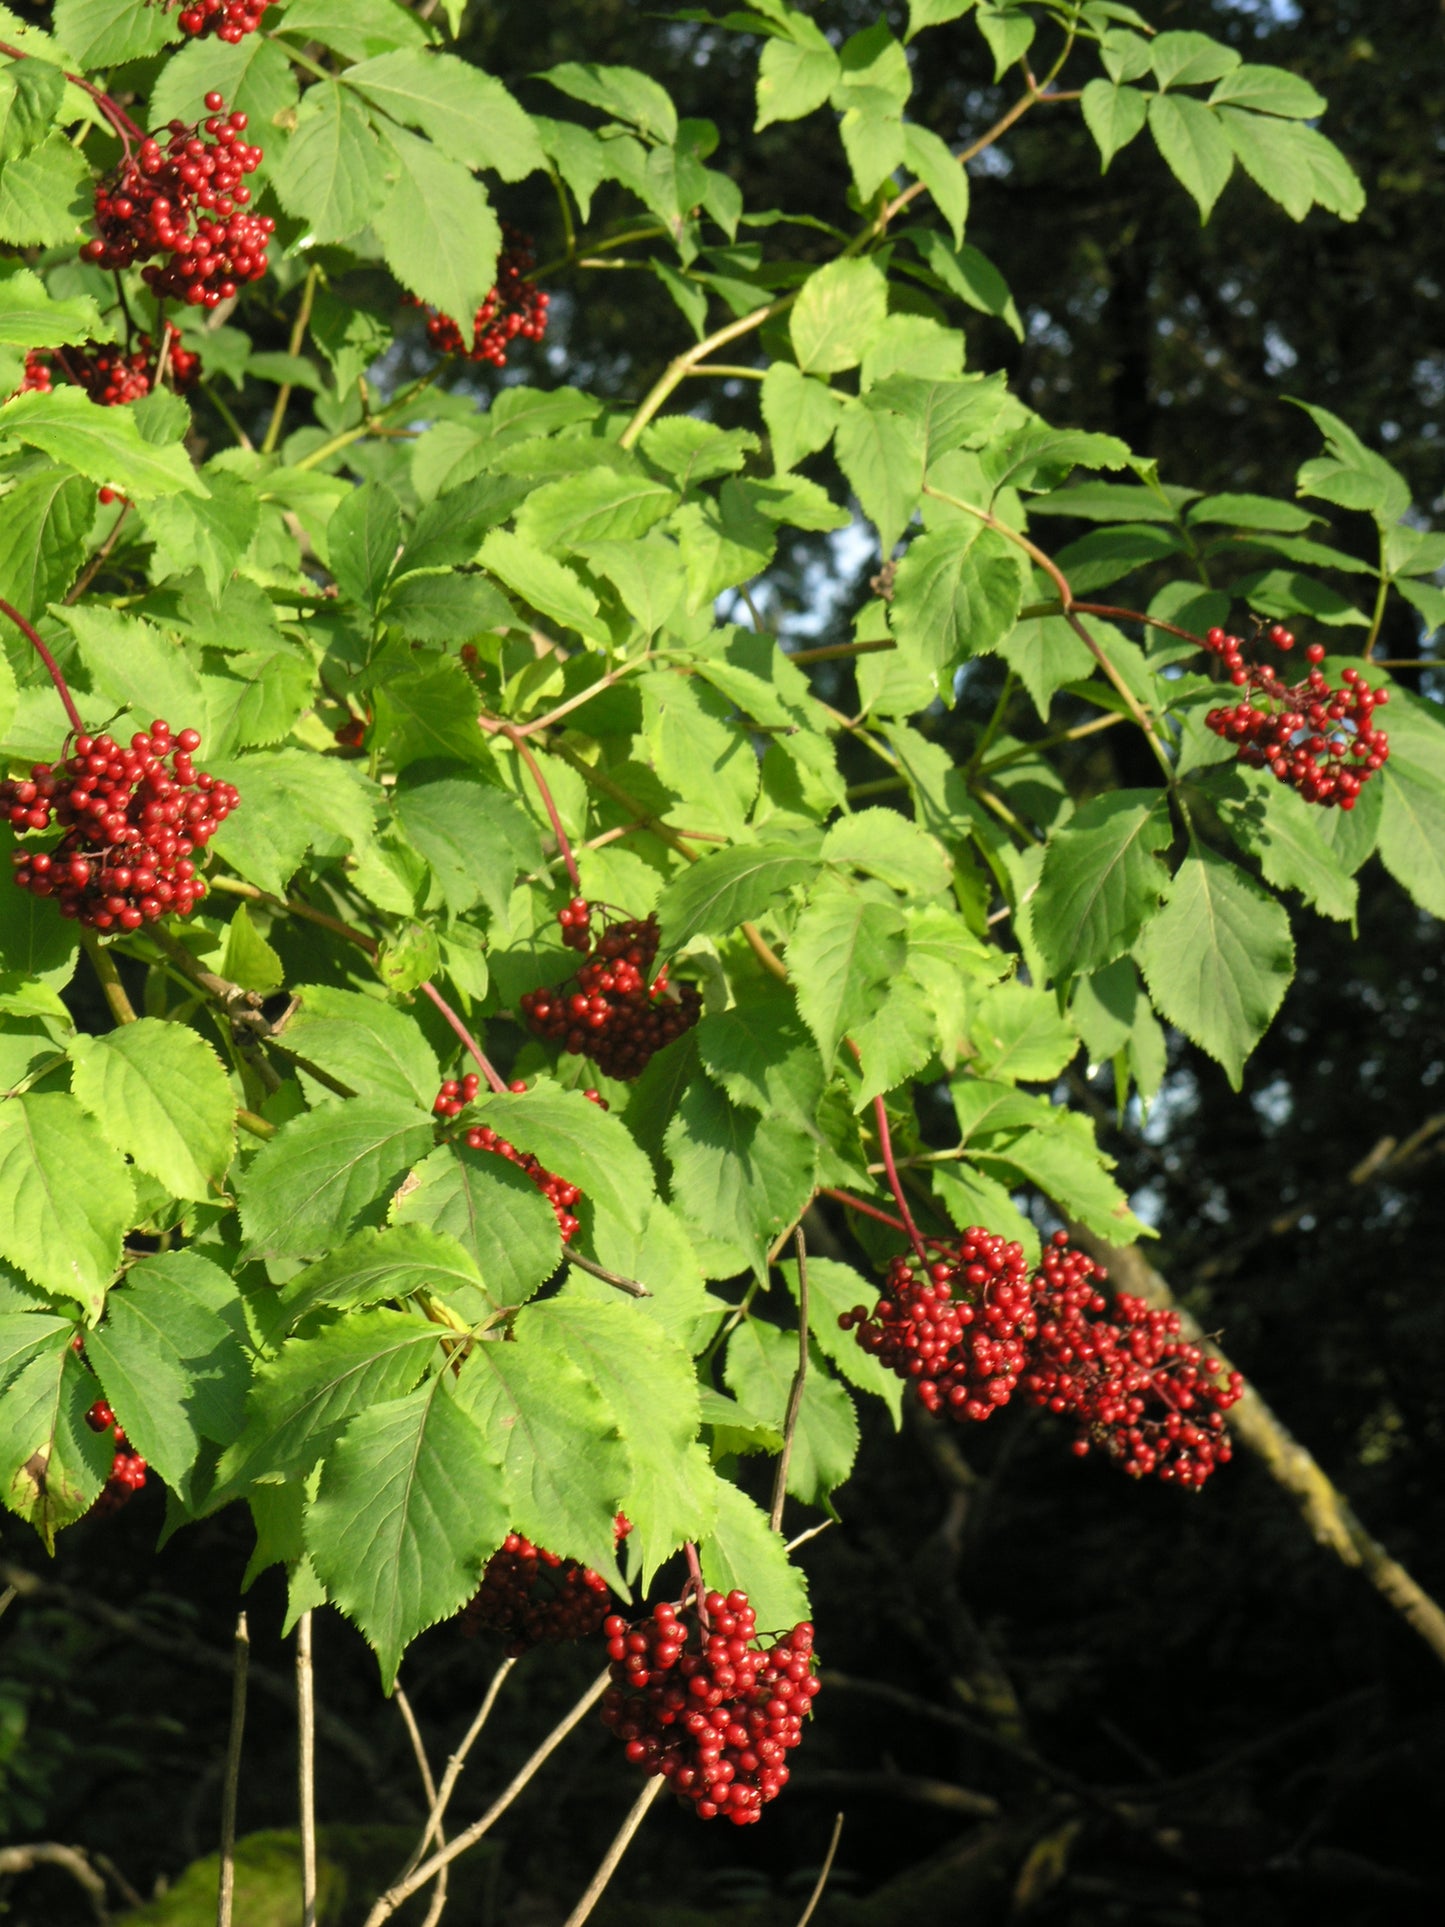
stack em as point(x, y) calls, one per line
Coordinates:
point(185, 201)
point(229, 20)
point(1320, 740)
point(609, 1011)
point(533, 1598)
point(696, 1700)
point(127, 1468)
point(1135, 1389)
point(576, 921)
point(133, 819)
point(515, 308)
point(109, 374)
point(453, 1098)
point(972, 1328)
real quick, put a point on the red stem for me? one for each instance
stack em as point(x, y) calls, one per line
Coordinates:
point(38, 645)
point(861, 1204)
point(895, 1186)
point(488, 1069)
point(540, 780)
point(696, 1584)
point(1111, 614)
point(117, 116)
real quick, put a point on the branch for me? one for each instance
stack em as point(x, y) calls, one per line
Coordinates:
point(227, 1885)
point(1324, 1508)
point(885, 1142)
point(478, 1054)
point(441, 1798)
point(37, 643)
point(678, 369)
point(613, 1856)
point(15, 1860)
point(514, 737)
point(439, 1892)
point(306, 1766)
point(108, 976)
point(298, 336)
point(98, 561)
point(824, 1871)
point(795, 1395)
point(593, 1270)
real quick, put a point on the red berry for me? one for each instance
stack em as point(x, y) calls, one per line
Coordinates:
point(515, 307)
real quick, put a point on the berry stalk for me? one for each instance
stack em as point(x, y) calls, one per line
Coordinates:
point(474, 1049)
point(534, 769)
point(37, 643)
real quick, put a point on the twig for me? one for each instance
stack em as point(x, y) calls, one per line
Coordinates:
point(293, 906)
point(71, 1860)
point(38, 644)
point(7, 1600)
point(474, 1048)
point(613, 1856)
point(103, 963)
point(795, 1394)
point(629, 1285)
point(885, 1144)
point(298, 336)
point(442, 1798)
point(678, 369)
point(1326, 1511)
point(439, 1892)
point(534, 770)
point(827, 1868)
point(226, 1893)
point(306, 1764)
point(403, 1889)
point(839, 651)
point(98, 561)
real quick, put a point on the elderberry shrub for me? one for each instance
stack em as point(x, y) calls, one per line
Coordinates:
point(229, 20)
point(695, 1699)
point(534, 1598)
point(1152, 1402)
point(609, 1011)
point(1319, 740)
point(453, 1098)
point(515, 308)
point(113, 376)
point(185, 201)
point(133, 819)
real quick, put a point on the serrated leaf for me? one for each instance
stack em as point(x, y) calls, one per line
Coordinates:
point(42, 534)
point(1101, 881)
point(838, 310)
point(1218, 958)
point(1270, 822)
point(1190, 59)
point(761, 1054)
point(30, 95)
point(742, 1552)
point(52, 1465)
point(381, 1263)
point(43, 196)
point(467, 113)
point(933, 162)
point(410, 1507)
point(362, 539)
point(833, 1289)
point(622, 92)
point(475, 837)
point(1269, 90)
point(335, 176)
point(292, 800)
point(881, 454)
point(161, 1096)
point(66, 1197)
point(1412, 817)
point(1067, 1167)
point(369, 1045)
point(437, 230)
point(846, 948)
point(1113, 115)
point(1194, 146)
point(549, 585)
point(577, 1139)
point(1018, 1034)
point(306, 1188)
point(713, 897)
point(493, 1211)
point(956, 594)
point(885, 844)
point(737, 1177)
point(102, 443)
point(801, 413)
point(759, 1369)
point(600, 504)
point(795, 76)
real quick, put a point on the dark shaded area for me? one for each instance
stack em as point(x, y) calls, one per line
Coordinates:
point(1183, 1711)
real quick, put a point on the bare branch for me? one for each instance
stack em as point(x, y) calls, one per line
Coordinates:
point(226, 1890)
point(795, 1395)
point(439, 1892)
point(827, 1868)
point(306, 1764)
point(613, 1856)
point(71, 1860)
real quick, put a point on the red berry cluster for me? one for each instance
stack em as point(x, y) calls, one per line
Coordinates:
point(132, 826)
point(1120, 1371)
point(1320, 740)
point(127, 1468)
point(110, 375)
point(453, 1098)
point(515, 307)
point(228, 20)
point(185, 201)
point(613, 1015)
point(697, 1701)
point(533, 1598)
point(576, 921)
point(1151, 1401)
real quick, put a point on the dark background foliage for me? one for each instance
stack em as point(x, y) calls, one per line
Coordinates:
point(1156, 1709)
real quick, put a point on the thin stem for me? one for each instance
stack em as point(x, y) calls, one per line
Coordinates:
point(439, 1893)
point(1074, 735)
point(98, 561)
point(534, 769)
point(612, 1858)
point(7, 1600)
point(862, 1204)
point(1379, 612)
point(839, 651)
point(227, 415)
point(441, 1798)
point(37, 643)
point(490, 724)
point(826, 1869)
point(795, 1394)
point(257, 1126)
point(731, 371)
point(895, 1184)
point(306, 1766)
point(479, 1056)
point(121, 1007)
point(678, 369)
point(368, 427)
point(413, 1882)
point(613, 1278)
point(298, 336)
point(293, 906)
point(764, 952)
point(995, 721)
point(227, 1887)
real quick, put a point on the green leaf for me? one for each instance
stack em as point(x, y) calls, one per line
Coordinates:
point(493, 1211)
point(101, 443)
point(1190, 59)
point(1066, 1165)
point(366, 1043)
point(1277, 157)
point(66, 1197)
point(42, 536)
point(1018, 1033)
point(161, 1096)
point(335, 175)
point(932, 161)
point(1412, 820)
point(1113, 115)
point(622, 92)
point(762, 1056)
point(475, 837)
point(846, 948)
point(307, 1187)
point(795, 76)
point(31, 92)
point(737, 1178)
point(43, 196)
point(956, 594)
point(102, 33)
point(741, 1552)
point(1252, 512)
point(881, 454)
point(550, 586)
point(437, 230)
point(1218, 958)
point(249, 960)
point(801, 413)
point(1194, 145)
point(887, 845)
point(601, 504)
point(1269, 90)
point(713, 897)
point(839, 309)
point(30, 316)
point(933, 13)
point(467, 113)
point(300, 1400)
point(355, 29)
point(759, 1369)
point(293, 799)
point(379, 1264)
point(442, 606)
point(52, 1465)
point(212, 531)
point(171, 1361)
point(410, 1507)
point(1101, 881)
point(577, 1139)
point(1010, 35)
point(362, 539)
point(833, 1289)
point(1269, 821)
point(254, 77)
